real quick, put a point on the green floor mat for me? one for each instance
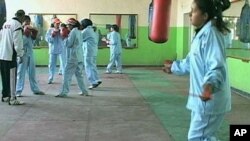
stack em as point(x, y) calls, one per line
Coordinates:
point(167, 96)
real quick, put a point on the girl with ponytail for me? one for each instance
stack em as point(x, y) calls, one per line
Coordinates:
point(209, 93)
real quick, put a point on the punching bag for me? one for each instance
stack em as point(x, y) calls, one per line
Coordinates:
point(159, 19)
point(131, 26)
point(118, 19)
point(2, 13)
point(243, 25)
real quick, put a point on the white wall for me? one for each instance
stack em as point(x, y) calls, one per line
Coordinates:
point(184, 6)
point(235, 9)
point(83, 7)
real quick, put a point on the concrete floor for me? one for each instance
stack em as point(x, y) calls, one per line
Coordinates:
point(143, 104)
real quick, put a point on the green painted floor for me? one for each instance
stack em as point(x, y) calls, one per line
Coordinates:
point(167, 96)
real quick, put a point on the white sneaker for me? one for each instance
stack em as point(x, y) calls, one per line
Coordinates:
point(5, 99)
point(118, 72)
point(108, 72)
point(91, 87)
point(83, 94)
point(14, 101)
point(18, 94)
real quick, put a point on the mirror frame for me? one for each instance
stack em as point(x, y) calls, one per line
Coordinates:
point(129, 34)
point(234, 1)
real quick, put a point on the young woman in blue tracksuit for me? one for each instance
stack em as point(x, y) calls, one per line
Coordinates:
point(209, 94)
point(114, 43)
point(55, 41)
point(74, 63)
point(28, 63)
point(90, 49)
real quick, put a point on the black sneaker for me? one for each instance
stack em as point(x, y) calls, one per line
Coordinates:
point(39, 93)
point(61, 95)
point(93, 86)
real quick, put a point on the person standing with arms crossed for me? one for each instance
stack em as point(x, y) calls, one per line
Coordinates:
point(11, 49)
point(209, 93)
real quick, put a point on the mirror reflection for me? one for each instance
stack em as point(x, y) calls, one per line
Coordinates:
point(127, 28)
point(234, 26)
point(43, 21)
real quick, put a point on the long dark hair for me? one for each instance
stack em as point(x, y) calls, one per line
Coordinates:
point(214, 9)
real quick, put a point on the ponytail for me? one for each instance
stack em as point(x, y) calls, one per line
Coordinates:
point(220, 6)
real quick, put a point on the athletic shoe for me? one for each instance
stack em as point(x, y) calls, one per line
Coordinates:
point(18, 94)
point(61, 95)
point(108, 72)
point(5, 99)
point(118, 72)
point(93, 86)
point(83, 94)
point(14, 101)
point(39, 93)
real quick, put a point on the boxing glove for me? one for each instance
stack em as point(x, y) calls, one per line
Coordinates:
point(55, 32)
point(26, 31)
point(207, 92)
point(34, 33)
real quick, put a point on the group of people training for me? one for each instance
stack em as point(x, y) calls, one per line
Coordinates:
point(74, 42)
point(209, 93)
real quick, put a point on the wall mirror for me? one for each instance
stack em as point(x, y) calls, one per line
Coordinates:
point(126, 22)
point(237, 49)
point(233, 24)
point(42, 21)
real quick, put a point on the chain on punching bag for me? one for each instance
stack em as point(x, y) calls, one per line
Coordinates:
point(159, 19)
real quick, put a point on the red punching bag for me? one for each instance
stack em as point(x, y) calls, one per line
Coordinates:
point(118, 20)
point(159, 19)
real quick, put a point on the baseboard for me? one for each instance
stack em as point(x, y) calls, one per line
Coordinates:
point(240, 92)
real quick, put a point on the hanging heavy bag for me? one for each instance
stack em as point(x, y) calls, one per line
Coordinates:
point(131, 26)
point(159, 19)
point(244, 24)
point(150, 15)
